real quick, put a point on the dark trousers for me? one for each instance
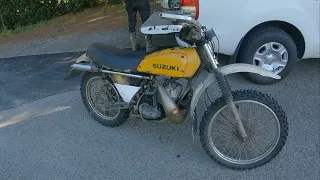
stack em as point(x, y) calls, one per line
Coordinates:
point(132, 7)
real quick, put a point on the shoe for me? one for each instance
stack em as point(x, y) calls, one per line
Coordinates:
point(149, 46)
point(133, 41)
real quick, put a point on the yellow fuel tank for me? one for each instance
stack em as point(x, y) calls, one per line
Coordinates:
point(173, 62)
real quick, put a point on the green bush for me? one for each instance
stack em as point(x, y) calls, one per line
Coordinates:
point(115, 1)
point(78, 5)
point(17, 13)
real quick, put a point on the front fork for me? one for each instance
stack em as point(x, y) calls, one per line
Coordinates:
point(226, 91)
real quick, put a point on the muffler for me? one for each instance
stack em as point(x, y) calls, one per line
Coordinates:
point(173, 113)
point(82, 67)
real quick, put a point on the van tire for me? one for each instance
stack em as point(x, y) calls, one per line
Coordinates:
point(257, 39)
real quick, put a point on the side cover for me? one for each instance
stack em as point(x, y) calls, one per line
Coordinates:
point(174, 62)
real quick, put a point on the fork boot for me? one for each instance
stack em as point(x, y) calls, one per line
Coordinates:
point(133, 41)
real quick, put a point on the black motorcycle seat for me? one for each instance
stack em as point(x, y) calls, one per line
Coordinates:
point(115, 58)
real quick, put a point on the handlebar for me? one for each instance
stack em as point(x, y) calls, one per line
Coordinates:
point(191, 31)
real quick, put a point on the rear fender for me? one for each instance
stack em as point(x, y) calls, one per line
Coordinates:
point(225, 70)
point(74, 73)
point(82, 58)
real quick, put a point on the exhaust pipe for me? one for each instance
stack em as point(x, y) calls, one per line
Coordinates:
point(82, 67)
point(90, 68)
point(173, 113)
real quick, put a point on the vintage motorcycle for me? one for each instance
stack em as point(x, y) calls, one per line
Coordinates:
point(242, 129)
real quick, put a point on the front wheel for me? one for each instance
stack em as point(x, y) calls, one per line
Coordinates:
point(264, 122)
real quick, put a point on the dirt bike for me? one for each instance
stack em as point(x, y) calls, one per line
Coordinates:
point(233, 131)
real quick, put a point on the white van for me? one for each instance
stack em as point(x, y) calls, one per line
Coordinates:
point(272, 34)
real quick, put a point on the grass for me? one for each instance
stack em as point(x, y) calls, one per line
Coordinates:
point(30, 27)
point(22, 28)
point(59, 20)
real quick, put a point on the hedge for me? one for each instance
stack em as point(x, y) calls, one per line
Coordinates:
point(17, 13)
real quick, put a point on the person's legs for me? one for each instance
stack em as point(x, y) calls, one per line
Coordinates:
point(144, 10)
point(132, 12)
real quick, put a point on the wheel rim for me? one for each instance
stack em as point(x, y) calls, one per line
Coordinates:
point(271, 56)
point(102, 95)
point(229, 141)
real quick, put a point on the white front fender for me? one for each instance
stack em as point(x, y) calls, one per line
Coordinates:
point(225, 70)
point(241, 67)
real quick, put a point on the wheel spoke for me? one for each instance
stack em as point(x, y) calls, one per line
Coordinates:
point(244, 150)
point(221, 134)
point(260, 127)
point(258, 148)
point(227, 144)
point(281, 50)
point(279, 64)
point(219, 131)
point(268, 47)
point(259, 57)
point(239, 151)
point(228, 122)
point(224, 144)
point(251, 148)
point(231, 147)
point(225, 125)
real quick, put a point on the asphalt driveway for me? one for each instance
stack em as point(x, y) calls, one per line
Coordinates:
point(46, 133)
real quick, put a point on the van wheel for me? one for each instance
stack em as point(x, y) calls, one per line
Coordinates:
point(272, 49)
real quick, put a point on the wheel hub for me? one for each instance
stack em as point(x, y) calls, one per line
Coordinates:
point(271, 56)
point(102, 101)
point(249, 130)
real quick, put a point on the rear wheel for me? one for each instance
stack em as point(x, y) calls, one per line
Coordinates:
point(272, 49)
point(264, 122)
point(99, 94)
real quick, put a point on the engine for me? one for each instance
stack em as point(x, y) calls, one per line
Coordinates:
point(174, 89)
point(150, 107)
